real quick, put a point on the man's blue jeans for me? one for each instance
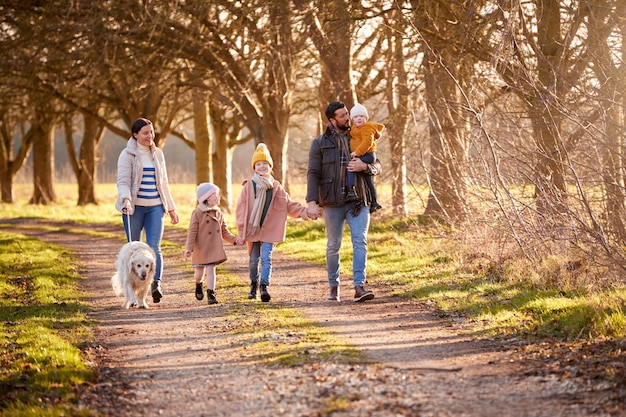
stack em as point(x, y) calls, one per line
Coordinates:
point(261, 251)
point(150, 219)
point(334, 218)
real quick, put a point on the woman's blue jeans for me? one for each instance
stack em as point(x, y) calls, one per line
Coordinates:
point(261, 251)
point(149, 219)
point(334, 218)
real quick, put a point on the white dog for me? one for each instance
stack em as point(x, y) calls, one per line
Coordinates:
point(136, 265)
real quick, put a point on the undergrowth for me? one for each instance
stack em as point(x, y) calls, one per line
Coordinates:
point(423, 261)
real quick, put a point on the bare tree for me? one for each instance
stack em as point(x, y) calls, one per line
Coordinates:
point(217, 131)
point(43, 127)
point(229, 132)
point(247, 53)
point(29, 63)
point(11, 163)
point(446, 29)
point(84, 162)
point(330, 26)
point(606, 31)
point(397, 97)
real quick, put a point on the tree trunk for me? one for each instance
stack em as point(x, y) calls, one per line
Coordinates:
point(201, 127)
point(6, 184)
point(275, 135)
point(226, 130)
point(397, 105)
point(9, 164)
point(280, 78)
point(612, 175)
point(331, 32)
point(43, 159)
point(222, 171)
point(611, 75)
point(84, 164)
point(447, 194)
point(550, 186)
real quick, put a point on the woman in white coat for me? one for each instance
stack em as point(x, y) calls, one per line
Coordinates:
point(143, 193)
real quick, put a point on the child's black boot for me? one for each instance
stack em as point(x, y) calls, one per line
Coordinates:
point(351, 194)
point(265, 295)
point(375, 206)
point(210, 294)
point(199, 293)
point(254, 285)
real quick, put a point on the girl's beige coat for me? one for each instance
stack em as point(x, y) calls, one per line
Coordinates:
point(204, 237)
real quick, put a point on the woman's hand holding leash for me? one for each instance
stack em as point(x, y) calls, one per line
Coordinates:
point(127, 207)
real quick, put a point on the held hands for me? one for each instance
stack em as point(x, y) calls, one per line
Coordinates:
point(313, 210)
point(239, 241)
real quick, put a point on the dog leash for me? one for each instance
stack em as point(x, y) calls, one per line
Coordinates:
point(129, 237)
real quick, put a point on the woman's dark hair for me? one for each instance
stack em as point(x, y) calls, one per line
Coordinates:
point(332, 108)
point(139, 124)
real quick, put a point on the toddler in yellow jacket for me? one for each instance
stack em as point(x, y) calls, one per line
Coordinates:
point(363, 137)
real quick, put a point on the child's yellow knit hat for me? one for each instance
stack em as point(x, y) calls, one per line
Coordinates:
point(262, 154)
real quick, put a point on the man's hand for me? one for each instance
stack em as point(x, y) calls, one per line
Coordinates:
point(313, 210)
point(356, 165)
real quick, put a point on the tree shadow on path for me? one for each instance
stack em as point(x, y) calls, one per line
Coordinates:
point(175, 358)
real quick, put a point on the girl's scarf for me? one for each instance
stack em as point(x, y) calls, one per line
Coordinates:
point(206, 208)
point(262, 185)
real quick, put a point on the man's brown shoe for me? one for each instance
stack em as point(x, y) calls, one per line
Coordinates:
point(361, 294)
point(334, 294)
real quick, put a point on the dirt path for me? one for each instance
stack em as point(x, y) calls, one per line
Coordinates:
point(177, 359)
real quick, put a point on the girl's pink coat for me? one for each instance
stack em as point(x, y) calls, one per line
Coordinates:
point(275, 223)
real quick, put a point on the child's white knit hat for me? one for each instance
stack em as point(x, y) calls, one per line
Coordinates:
point(359, 110)
point(205, 190)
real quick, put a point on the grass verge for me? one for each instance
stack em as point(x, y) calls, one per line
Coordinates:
point(43, 325)
point(422, 262)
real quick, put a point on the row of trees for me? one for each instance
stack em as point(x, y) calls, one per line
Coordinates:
point(510, 111)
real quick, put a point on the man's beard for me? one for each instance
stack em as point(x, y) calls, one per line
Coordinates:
point(343, 127)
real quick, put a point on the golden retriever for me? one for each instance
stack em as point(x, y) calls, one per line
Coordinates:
point(136, 265)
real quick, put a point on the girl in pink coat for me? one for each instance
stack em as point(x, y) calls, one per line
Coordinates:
point(262, 210)
point(207, 231)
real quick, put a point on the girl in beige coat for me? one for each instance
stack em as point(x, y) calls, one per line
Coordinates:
point(207, 230)
point(262, 211)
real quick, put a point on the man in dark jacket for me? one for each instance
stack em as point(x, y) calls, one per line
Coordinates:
point(329, 160)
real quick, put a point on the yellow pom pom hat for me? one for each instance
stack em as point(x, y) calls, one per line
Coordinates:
point(205, 190)
point(262, 154)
